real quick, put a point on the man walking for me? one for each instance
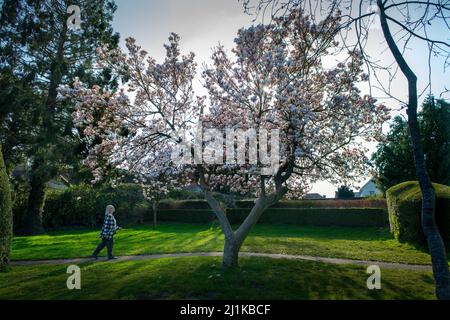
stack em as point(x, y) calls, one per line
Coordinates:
point(108, 230)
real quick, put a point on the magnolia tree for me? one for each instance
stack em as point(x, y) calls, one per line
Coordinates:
point(273, 86)
point(156, 187)
point(275, 81)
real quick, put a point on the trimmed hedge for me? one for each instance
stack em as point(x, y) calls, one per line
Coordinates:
point(294, 204)
point(169, 204)
point(186, 215)
point(405, 205)
point(351, 217)
point(315, 217)
point(325, 203)
point(85, 205)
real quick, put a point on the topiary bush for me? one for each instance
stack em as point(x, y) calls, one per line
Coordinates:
point(405, 205)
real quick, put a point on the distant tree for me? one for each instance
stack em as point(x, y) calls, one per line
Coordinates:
point(394, 159)
point(156, 188)
point(6, 218)
point(344, 192)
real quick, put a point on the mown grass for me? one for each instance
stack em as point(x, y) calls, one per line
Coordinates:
point(353, 243)
point(204, 278)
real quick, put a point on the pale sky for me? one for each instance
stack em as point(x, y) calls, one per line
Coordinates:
point(202, 24)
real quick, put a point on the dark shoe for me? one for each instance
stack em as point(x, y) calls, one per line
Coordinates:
point(94, 257)
point(112, 258)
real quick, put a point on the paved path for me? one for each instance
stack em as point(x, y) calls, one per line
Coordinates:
point(390, 265)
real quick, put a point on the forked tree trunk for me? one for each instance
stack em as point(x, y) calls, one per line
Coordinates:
point(235, 239)
point(435, 244)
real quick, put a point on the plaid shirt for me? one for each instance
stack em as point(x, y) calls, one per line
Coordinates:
point(109, 227)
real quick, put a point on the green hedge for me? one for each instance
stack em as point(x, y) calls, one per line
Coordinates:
point(186, 215)
point(404, 205)
point(170, 204)
point(85, 205)
point(349, 217)
point(315, 217)
point(335, 203)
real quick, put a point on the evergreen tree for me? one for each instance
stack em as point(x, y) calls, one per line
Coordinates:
point(344, 192)
point(38, 45)
point(394, 159)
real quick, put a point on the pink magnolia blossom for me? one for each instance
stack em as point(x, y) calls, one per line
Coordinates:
point(274, 78)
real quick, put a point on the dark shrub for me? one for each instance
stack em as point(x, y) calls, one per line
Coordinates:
point(20, 194)
point(404, 205)
point(84, 205)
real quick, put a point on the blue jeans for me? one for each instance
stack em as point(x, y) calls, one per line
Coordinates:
point(109, 244)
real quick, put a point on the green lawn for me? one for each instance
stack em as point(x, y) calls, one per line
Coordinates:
point(203, 278)
point(353, 243)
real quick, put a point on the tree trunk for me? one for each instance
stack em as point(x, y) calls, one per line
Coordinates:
point(234, 240)
point(231, 247)
point(435, 244)
point(6, 217)
point(42, 170)
point(155, 214)
point(36, 201)
point(230, 254)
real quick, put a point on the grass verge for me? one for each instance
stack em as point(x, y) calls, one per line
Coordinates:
point(203, 278)
point(353, 243)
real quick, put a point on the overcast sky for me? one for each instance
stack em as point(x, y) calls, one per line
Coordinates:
point(202, 24)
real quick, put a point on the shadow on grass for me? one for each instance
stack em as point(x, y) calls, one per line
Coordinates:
point(259, 278)
point(204, 278)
